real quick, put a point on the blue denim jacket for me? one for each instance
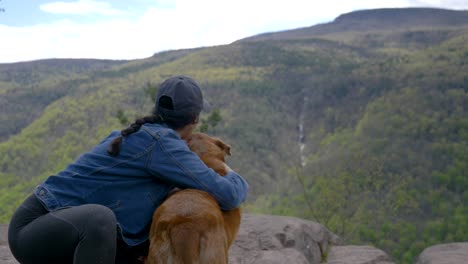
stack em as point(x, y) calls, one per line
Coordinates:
point(133, 184)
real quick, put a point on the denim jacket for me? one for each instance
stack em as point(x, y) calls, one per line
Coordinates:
point(152, 161)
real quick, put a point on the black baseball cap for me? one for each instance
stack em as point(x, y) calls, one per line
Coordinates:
point(179, 96)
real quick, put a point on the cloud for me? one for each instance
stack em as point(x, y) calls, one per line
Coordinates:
point(81, 7)
point(170, 25)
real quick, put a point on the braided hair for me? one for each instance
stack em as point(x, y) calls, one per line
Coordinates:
point(159, 116)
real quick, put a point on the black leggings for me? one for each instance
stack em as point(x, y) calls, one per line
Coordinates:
point(85, 234)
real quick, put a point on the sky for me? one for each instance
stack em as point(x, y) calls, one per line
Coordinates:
point(127, 30)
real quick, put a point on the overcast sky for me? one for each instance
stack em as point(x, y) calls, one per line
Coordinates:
point(123, 29)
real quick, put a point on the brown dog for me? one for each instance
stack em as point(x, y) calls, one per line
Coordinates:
point(189, 226)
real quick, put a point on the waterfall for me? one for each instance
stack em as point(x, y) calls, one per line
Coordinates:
point(301, 137)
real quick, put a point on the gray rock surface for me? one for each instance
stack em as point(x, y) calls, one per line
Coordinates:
point(280, 239)
point(262, 239)
point(5, 253)
point(3, 235)
point(451, 253)
point(357, 254)
point(268, 239)
point(5, 256)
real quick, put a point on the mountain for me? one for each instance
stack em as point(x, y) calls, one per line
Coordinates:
point(360, 124)
point(386, 19)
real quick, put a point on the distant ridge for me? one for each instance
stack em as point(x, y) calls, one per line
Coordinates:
point(375, 19)
point(392, 17)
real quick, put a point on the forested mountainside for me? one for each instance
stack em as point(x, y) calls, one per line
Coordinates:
point(363, 129)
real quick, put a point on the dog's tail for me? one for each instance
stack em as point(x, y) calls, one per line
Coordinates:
point(185, 241)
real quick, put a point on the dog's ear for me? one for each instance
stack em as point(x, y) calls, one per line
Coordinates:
point(225, 147)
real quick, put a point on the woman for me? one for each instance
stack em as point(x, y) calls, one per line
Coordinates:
point(101, 205)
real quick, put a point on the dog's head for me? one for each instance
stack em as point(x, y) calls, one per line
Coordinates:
point(211, 150)
point(205, 145)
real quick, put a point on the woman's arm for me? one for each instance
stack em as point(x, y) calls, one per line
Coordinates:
point(174, 163)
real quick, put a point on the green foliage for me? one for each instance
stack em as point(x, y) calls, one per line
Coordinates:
point(394, 173)
point(123, 119)
point(210, 122)
point(383, 115)
point(150, 90)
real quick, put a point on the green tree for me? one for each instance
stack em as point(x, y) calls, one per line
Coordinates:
point(208, 123)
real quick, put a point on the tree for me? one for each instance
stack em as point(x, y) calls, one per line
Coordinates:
point(150, 89)
point(211, 121)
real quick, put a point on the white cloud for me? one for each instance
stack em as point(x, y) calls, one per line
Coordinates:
point(81, 7)
point(171, 25)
